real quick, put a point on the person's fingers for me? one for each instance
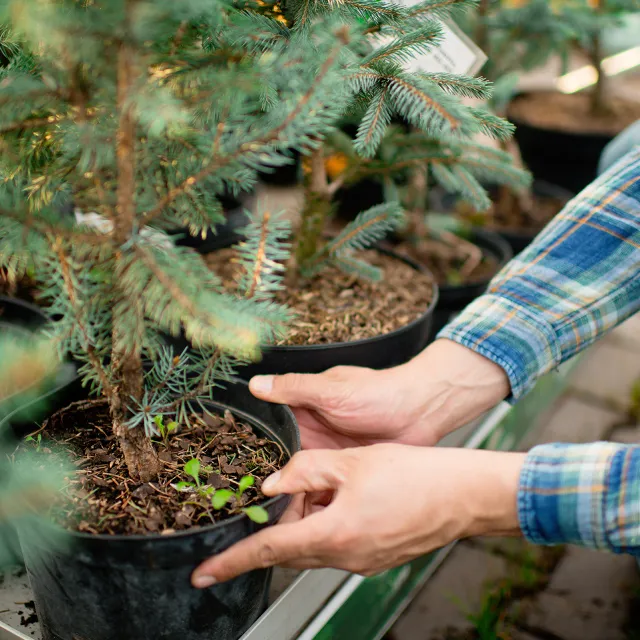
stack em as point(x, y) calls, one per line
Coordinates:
point(295, 511)
point(275, 545)
point(295, 389)
point(308, 471)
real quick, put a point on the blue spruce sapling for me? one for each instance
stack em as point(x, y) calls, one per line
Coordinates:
point(142, 112)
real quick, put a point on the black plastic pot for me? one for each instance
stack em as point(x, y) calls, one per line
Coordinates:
point(380, 352)
point(286, 175)
point(520, 239)
point(454, 298)
point(222, 235)
point(568, 159)
point(121, 587)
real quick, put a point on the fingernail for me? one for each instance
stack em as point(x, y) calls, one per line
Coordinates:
point(270, 483)
point(261, 384)
point(202, 582)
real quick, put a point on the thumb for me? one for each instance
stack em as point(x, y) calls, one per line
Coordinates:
point(307, 472)
point(295, 389)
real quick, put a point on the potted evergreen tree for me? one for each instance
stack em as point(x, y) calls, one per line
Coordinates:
point(518, 37)
point(561, 135)
point(341, 317)
point(140, 112)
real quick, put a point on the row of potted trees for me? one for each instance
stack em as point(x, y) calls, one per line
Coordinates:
point(157, 119)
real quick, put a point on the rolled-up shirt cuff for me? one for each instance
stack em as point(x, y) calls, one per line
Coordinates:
point(520, 341)
point(585, 494)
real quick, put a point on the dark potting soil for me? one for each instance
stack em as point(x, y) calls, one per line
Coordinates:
point(571, 113)
point(336, 307)
point(446, 263)
point(100, 497)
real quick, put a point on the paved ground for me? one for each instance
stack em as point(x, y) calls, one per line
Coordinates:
point(507, 589)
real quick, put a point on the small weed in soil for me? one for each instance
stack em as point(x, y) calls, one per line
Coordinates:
point(217, 456)
point(337, 307)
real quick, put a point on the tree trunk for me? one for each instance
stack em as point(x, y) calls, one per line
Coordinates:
point(140, 456)
point(480, 35)
point(316, 211)
point(599, 105)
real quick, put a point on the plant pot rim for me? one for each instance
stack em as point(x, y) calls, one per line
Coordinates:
point(383, 336)
point(134, 538)
point(29, 306)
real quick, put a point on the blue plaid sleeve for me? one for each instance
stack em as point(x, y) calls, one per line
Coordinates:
point(582, 494)
point(579, 279)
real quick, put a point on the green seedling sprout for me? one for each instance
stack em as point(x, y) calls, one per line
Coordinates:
point(37, 439)
point(165, 430)
point(221, 497)
point(192, 468)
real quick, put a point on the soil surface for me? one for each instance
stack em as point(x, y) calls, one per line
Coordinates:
point(336, 307)
point(100, 497)
point(571, 112)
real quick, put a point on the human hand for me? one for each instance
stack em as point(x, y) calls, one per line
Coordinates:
point(443, 388)
point(368, 509)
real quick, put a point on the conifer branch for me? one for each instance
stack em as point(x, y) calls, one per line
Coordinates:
point(191, 309)
point(260, 259)
point(93, 358)
point(428, 100)
point(48, 229)
point(249, 146)
point(401, 83)
point(200, 389)
point(33, 123)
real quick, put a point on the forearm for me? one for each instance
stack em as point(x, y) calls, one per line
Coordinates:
point(585, 494)
point(578, 280)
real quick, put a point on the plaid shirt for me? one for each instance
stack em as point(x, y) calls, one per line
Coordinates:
point(576, 282)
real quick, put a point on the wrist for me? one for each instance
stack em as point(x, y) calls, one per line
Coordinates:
point(492, 495)
point(453, 385)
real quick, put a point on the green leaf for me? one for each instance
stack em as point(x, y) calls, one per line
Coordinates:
point(172, 426)
point(221, 497)
point(183, 486)
point(192, 468)
point(245, 483)
point(257, 514)
point(160, 424)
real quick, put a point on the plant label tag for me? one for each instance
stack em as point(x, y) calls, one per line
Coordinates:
point(456, 52)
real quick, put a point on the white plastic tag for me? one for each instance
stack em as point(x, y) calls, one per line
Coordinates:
point(102, 224)
point(456, 53)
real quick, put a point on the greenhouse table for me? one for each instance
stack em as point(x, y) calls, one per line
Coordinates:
point(327, 604)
